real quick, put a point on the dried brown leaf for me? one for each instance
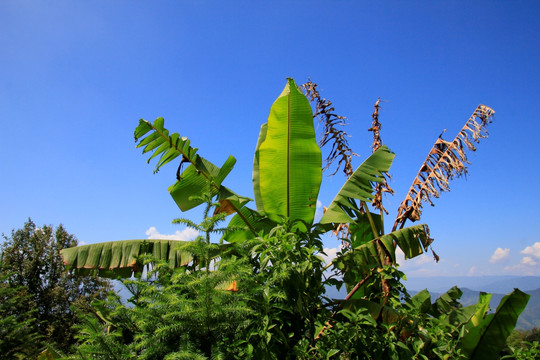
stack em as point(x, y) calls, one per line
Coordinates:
point(332, 134)
point(445, 161)
point(382, 187)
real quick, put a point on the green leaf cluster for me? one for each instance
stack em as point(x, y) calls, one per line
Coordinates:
point(260, 292)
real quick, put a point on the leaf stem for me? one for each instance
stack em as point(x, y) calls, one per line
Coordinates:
point(371, 222)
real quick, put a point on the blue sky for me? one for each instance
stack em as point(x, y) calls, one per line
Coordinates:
point(75, 77)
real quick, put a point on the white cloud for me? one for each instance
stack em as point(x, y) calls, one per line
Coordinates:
point(527, 260)
point(81, 243)
point(472, 271)
point(185, 235)
point(499, 255)
point(414, 262)
point(423, 259)
point(532, 250)
point(330, 254)
point(521, 269)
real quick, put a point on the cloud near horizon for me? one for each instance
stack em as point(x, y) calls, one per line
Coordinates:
point(529, 262)
point(187, 234)
point(532, 250)
point(499, 255)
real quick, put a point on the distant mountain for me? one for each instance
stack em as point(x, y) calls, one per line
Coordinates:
point(493, 284)
point(530, 317)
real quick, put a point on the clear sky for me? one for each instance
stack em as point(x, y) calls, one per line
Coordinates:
point(75, 77)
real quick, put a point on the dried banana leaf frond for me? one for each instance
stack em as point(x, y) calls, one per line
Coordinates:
point(333, 135)
point(376, 126)
point(381, 187)
point(445, 161)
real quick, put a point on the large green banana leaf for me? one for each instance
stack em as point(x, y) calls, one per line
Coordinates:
point(256, 178)
point(288, 166)
point(359, 186)
point(485, 340)
point(117, 258)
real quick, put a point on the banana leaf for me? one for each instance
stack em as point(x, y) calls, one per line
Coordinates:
point(481, 310)
point(257, 222)
point(117, 258)
point(256, 178)
point(198, 178)
point(288, 166)
point(381, 251)
point(359, 186)
point(361, 230)
point(421, 301)
point(485, 340)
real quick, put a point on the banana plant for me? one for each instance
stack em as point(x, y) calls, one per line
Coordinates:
point(287, 173)
point(479, 335)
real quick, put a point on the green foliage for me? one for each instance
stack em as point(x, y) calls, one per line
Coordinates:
point(261, 295)
point(344, 208)
point(34, 284)
point(19, 338)
point(522, 345)
point(115, 259)
point(193, 310)
point(287, 169)
point(285, 294)
point(486, 339)
point(184, 313)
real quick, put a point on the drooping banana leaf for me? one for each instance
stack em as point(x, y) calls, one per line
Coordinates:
point(287, 167)
point(376, 253)
point(117, 258)
point(257, 222)
point(359, 186)
point(485, 341)
point(198, 178)
point(361, 230)
point(446, 302)
point(421, 301)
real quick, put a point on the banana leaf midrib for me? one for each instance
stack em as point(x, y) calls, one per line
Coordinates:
point(288, 153)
